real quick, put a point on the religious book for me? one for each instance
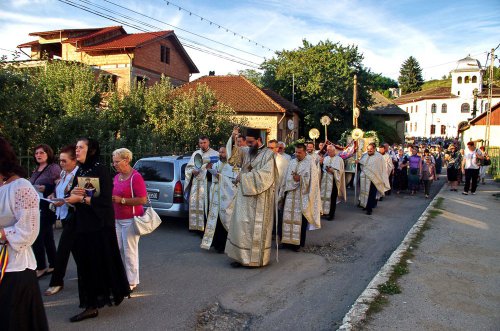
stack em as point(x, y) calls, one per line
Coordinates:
point(91, 185)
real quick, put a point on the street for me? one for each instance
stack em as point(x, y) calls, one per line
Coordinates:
point(309, 290)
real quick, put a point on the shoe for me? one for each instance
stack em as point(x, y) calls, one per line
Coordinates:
point(381, 199)
point(465, 193)
point(41, 272)
point(364, 209)
point(52, 290)
point(49, 271)
point(331, 218)
point(473, 193)
point(132, 288)
point(426, 196)
point(369, 212)
point(87, 313)
point(236, 264)
point(296, 248)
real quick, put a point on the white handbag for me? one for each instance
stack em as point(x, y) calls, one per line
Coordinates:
point(148, 222)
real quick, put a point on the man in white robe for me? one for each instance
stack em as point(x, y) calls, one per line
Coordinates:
point(373, 178)
point(313, 153)
point(281, 150)
point(332, 182)
point(196, 183)
point(250, 232)
point(389, 166)
point(222, 193)
point(300, 191)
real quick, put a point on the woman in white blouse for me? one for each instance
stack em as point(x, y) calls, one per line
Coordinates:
point(21, 306)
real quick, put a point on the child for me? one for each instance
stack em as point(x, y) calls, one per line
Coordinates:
point(428, 174)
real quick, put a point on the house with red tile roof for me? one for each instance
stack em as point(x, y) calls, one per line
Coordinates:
point(263, 109)
point(442, 111)
point(124, 57)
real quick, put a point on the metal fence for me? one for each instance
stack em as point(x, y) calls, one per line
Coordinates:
point(494, 153)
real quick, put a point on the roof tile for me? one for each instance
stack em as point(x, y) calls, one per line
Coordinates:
point(126, 41)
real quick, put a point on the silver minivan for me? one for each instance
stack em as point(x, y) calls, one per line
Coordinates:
point(164, 177)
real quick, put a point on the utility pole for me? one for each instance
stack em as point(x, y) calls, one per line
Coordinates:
point(293, 88)
point(490, 94)
point(355, 110)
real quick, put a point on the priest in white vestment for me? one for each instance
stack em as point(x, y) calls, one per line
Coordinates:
point(196, 184)
point(389, 167)
point(250, 232)
point(302, 207)
point(332, 182)
point(221, 208)
point(373, 178)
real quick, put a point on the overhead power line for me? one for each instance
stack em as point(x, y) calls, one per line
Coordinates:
point(201, 47)
point(158, 28)
point(236, 34)
point(181, 29)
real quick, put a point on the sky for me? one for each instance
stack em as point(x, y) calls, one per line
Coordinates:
point(437, 33)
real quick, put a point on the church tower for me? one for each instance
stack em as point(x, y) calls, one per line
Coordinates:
point(466, 77)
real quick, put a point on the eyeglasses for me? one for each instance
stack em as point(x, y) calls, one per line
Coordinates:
point(115, 163)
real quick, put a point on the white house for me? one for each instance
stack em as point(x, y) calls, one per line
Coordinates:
point(441, 111)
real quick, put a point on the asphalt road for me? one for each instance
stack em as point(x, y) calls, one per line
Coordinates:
point(308, 290)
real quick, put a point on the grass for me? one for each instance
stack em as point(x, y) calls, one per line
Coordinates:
point(436, 83)
point(392, 287)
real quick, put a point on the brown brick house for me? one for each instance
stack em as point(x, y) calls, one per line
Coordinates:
point(124, 57)
point(262, 108)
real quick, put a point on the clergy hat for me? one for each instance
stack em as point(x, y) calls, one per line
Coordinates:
point(253, 133)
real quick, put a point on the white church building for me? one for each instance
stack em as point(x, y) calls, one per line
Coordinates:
point(440, 111)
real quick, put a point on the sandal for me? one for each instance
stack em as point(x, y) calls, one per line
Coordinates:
point(41, 272)
point(53, 290)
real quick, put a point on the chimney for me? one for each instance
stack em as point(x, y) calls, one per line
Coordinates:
point(211, 73)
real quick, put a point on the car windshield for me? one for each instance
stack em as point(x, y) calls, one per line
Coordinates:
point(155, 171)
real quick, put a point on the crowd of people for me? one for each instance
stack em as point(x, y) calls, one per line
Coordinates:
point(240, 197)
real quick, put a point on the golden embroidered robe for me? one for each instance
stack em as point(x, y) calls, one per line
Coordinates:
point(301, 198)
point(335, 181)
point(373, 170)
point(250, 232)
point(197, 186)
point(221, 197)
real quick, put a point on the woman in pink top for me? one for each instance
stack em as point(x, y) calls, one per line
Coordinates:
point(129, 194)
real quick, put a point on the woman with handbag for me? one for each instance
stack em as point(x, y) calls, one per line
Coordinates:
point(65, 213)
point(101, 275)
point(21, 305)
point(44, 180)
point(129, 194)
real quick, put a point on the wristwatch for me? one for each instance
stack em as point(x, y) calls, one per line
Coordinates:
point(123, 201)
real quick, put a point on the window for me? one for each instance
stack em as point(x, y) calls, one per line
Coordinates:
point(416, 108)
point(433, 108)
point(165, 54)
point(443, 130)
point(411, 108)
point(411, 127)
point(406, 127)
point(433, 129)
point(156, 171)
point(486, 106)
point(467, 80)
point(415, 126)
point(474, 79)
point(465, 108)
point(458, 93)
point(141, 79)
point(444, 108)
point(107, 82)
point(406, 109)
point(459, 80)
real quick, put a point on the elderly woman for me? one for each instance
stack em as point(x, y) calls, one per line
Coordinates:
point(129, 194)
point(453, 160)
point(44, 180)
point(401, 172)
point(65, 213)
point(21, 306)
point(101, 275)
point(428, 174)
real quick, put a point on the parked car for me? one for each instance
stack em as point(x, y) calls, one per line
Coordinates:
point(164, 177)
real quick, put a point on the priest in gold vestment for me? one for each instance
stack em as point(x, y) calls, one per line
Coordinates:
point(332, 182)
point(373, 178)
point(250, 232)
point(301, 194)
point(196, 184)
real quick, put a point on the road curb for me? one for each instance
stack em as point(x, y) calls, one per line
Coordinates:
point(357, 313)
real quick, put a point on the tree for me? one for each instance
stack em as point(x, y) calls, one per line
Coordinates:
point(322, 76)
point(381, 83)
point(410, 76)
point(252, 75)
